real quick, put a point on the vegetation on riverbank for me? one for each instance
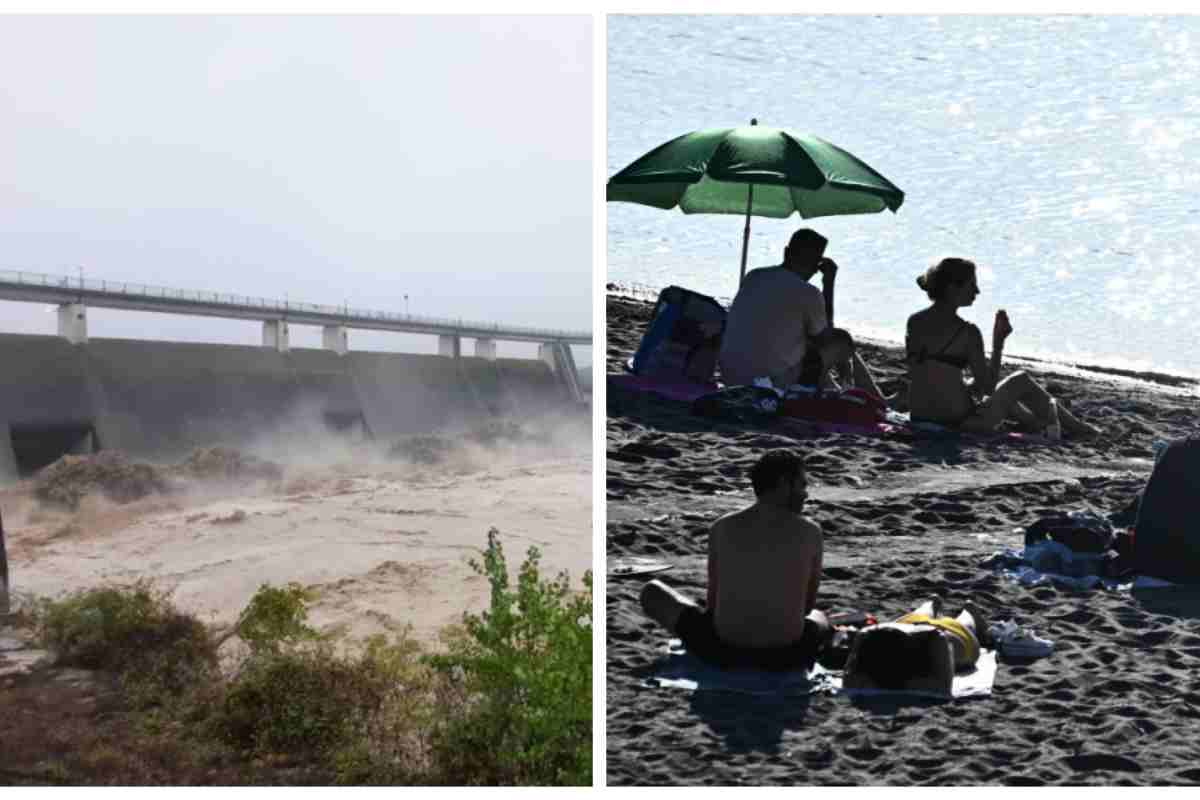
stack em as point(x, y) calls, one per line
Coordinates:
point(507, 701)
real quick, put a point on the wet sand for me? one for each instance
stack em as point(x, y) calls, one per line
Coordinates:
point(1117, 703)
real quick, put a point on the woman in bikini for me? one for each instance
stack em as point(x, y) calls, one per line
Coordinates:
point(940, 345)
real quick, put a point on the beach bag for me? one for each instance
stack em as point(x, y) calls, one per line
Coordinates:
point(848, 407)
point(1166, 544)
point(683, 337)
point(1079, 531)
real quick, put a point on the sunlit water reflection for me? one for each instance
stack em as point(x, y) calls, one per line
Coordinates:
point(1057, 152)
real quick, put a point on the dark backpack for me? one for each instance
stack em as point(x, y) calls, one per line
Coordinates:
point(683, 338)
point(1081, 531)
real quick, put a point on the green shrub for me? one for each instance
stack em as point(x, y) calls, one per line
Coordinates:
point(363, 717)
point(275, 617)
point(523, 713)
point(298, 702)
point(135, 631)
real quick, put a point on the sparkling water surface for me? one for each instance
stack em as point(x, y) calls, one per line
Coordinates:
point(1058, 153)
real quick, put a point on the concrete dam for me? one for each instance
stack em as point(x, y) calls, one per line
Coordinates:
point(159, 399)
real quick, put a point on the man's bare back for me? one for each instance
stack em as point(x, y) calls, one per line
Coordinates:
point(764, 569)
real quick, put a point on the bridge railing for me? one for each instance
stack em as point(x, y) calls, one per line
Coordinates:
point(147, 291)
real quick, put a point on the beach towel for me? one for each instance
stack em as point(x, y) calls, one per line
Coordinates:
point(935, 431)
point(977, 683)
point(682, 670)
point(850, 407)
point(680, 389)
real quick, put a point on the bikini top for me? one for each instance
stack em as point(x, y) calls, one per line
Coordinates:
point(958, 362)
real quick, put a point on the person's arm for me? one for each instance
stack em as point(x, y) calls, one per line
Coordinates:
point(828, 268)
point(712, 568)
point(814, 575)
point(1000, 331)
point(985, 373)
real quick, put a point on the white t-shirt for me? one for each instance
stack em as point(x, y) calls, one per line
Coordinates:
point(768, 326)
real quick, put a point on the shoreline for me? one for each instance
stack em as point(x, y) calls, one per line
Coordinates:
point(1167, 381)
point(904, 518)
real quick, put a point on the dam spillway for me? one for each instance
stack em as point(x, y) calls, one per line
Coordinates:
point(162, 399)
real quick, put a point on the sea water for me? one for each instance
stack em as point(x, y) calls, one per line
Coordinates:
point(1059, 153)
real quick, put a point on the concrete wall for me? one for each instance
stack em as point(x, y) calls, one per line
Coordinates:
point(483, 378)
point(161, 398)
point(531, 385)
point(165, 398)
point(43, 381)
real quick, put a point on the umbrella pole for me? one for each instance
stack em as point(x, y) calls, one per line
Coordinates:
point(746, 235)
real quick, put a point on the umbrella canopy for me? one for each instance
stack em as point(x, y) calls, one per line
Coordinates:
point(754, 170)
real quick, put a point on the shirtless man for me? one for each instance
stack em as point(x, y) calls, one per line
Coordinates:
point(764, 568)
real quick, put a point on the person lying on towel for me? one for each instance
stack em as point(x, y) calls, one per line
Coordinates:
point(777, 313)
point(764, 568)
point(940, 345)
point(920, 651)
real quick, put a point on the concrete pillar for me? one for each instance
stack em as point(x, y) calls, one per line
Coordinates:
point(275, 334)
point(335, 338)
point(485, 348)
point(72, 322)
point(5, 608)
point(8, 458)
point(449, 345)
point(546, 353)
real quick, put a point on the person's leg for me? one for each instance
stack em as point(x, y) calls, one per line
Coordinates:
point(1009, 392)
point(1074, 425)
point(1026, 419)
point(979, 624)
point(863, 379)
point(818, 631)
point(1019, 389)
point(932, 607)
point(664, 605)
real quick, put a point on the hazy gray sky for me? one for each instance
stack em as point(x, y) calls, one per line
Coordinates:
point(328, 159)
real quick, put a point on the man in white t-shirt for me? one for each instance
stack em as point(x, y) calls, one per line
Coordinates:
point(775, 313)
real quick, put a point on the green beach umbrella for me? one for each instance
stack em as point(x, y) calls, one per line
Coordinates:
point(754, 170)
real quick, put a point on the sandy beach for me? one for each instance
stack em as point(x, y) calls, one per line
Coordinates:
point(1117, 703)
point(382, 543)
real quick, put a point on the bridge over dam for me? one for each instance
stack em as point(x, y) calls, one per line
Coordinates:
point(71, 393)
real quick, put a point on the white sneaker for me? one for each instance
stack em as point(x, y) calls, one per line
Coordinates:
point(1013, 640)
